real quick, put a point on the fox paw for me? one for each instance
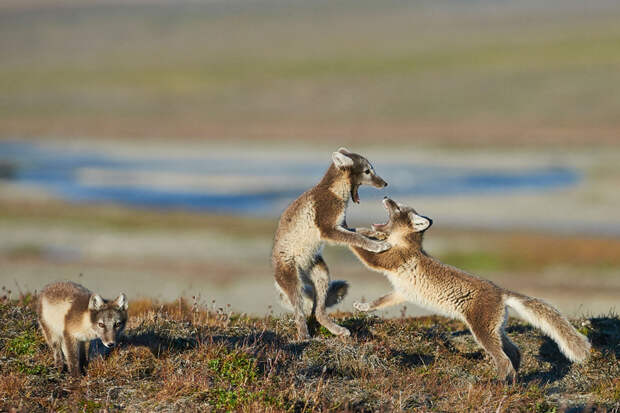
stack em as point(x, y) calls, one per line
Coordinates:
point(380, 246)
point(361, 306)
point(340, 331)
point(379, 235)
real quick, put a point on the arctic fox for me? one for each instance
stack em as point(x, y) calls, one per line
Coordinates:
point(318, 215)
point(479, 303)
point(70, 315)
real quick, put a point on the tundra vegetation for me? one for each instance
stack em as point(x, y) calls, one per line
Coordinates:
point(189, 355)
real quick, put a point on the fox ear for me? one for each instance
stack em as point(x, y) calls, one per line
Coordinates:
point(341, 160)
point(95, 302)
point(419, 222)
point(121, 302)
point(344, 151)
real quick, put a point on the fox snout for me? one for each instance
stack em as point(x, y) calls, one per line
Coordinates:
point(378, 182)
point(109, 344)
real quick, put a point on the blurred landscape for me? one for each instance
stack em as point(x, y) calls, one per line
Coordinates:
point(150, 146)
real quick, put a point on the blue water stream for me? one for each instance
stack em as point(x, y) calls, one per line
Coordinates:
point(55, 170)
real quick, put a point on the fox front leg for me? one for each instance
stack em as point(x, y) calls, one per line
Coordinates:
point(344, 235)
point(387, 300)
point(371, 233)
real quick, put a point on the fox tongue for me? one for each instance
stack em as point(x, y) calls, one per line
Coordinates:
point(355, 195)
point(379, 227)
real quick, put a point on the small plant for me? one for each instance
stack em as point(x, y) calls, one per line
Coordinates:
point(24, 344)
point(31, 369)
point(234, 373)
point(235, 368)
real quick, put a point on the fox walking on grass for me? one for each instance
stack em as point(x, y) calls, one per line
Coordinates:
point(479, 303)
point(318, 215)
point(70, 315)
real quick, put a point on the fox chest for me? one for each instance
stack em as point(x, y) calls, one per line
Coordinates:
point(301, 239)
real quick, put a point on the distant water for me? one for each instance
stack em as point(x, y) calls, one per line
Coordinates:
point(227, 184)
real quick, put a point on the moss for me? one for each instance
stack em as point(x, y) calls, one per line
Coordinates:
point(24, 344)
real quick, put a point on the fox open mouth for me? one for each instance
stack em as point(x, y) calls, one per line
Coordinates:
point(380, 227)
point(383, 227)
point(354, 194)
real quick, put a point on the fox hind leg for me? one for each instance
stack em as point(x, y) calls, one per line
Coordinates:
point(491, 337)
point(511, 351)
point(319, 274)
point(55, 345)
point(288, 281)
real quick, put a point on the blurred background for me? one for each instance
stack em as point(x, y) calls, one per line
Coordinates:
point(149, 146)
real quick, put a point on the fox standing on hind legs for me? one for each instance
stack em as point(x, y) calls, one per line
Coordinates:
point(318, 215)
point(479, 303)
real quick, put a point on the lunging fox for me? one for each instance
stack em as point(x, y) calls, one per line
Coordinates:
point(479, 303)
point(318, 215)
point(70, 315)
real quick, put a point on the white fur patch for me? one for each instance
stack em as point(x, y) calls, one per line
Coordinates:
point(84, 331)
point(53, 316)
point(420, 223)
point(547, 327)
point(121, 302)
point(341, 160)
point(95, 302)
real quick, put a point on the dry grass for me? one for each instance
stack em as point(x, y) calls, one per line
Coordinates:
point(182, 356)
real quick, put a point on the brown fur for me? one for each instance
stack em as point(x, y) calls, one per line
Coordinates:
point(318, 215)
point(479, 303)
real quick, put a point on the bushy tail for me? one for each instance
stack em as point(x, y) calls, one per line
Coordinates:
point(574, 345)
point(335, 293)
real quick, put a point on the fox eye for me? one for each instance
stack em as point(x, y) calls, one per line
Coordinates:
point(117, 324)
point(101, 325)
point(367, 171)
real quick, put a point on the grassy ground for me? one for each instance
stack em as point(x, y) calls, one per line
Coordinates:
point(438, 72)
point(186, 356)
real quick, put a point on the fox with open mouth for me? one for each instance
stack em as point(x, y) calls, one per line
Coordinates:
point(316, 217)
point(480, 304)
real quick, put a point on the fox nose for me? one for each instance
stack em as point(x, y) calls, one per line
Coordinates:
point(384, 184)
point(111, 344)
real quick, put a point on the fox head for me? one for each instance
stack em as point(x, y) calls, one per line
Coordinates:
point(403, 223)
point(108, 318)
point(357, 170)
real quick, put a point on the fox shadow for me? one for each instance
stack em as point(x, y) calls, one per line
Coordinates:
point(159, 344)
point(412, 360)
point(550, 353)
point(603, 333)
